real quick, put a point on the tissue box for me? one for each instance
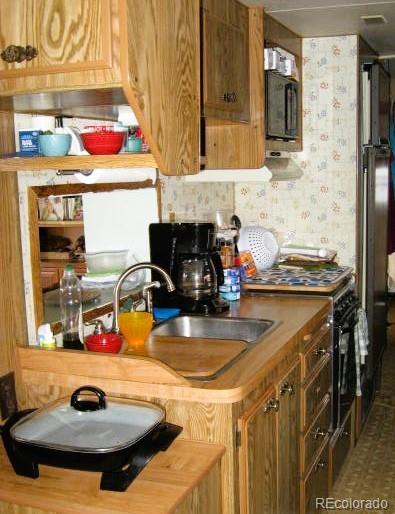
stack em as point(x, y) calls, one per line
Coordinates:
point(28, 142)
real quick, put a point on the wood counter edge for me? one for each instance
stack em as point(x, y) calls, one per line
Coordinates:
point(181, 468)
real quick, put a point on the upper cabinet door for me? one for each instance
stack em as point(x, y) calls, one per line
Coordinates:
point(225, 60)
point(49, 36)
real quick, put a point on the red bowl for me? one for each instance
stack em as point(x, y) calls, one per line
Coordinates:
point(103, 143)
point(108, 343)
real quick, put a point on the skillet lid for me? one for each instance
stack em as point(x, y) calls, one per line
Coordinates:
point(86, 425)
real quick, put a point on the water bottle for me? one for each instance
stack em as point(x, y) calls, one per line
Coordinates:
point(70, 308)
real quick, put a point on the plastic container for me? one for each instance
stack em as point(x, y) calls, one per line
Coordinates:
point(45, 337)
point(103, 143)
point(163, 313)
point(106, 262)
point(70, 308)
point(135, 328)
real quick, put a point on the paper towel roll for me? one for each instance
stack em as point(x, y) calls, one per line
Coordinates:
point(100, 175)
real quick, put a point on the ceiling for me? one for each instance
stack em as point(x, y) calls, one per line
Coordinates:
point(311, 18)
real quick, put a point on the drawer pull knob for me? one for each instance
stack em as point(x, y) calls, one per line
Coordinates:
point(320, 351)
point(287, 388)
point(272, 405)
point(321, 464)
point(319, 432)
point(15, 53)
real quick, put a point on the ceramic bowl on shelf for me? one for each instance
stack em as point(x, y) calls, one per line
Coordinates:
point(103, 143)
point(54, 145)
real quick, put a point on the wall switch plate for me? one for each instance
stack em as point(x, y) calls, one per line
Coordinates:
point(8, 404)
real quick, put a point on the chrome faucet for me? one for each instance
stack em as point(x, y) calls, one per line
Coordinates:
point(146, 289)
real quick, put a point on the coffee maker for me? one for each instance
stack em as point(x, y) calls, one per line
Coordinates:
point(188, 253)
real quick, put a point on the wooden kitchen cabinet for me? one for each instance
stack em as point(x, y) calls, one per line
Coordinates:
point(61, 36)
point(269, 449)
point(52, 271)
point(288, 392)
point(225, 60)
point(258, 456)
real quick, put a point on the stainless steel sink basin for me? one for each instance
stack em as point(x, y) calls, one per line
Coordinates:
point(244, 329)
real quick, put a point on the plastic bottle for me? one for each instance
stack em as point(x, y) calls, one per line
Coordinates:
point(70, 308)
point(45, 337)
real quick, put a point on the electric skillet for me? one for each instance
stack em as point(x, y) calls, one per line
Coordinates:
point(116, 437)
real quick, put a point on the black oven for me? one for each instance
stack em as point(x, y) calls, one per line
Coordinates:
point(344, 372)
point(281, 107)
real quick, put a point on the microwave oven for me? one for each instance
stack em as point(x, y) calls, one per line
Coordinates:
point(281, 107)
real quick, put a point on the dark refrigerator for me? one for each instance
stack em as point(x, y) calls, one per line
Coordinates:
point(373, 196)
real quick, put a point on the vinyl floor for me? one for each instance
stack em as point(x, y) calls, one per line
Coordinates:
point(370, 471)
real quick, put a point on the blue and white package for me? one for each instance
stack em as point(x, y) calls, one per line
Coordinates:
point(29, 142)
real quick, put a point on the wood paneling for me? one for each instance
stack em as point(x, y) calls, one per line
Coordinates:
point(242, 145)
point(68, 36)
point(85, 55)
point(288, 392)
point(163, 486)
point(77, 162)
point(258, 458)
point(314, 392)
point(225, 59)
point(316, 484)
point(313, 439)
point(139, 369)
point(161, 78)
point(12, 300)
point(317, 348)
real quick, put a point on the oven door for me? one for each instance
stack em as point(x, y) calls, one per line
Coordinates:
point(344, 367)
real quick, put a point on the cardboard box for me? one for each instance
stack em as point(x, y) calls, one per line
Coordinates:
point(29, 142)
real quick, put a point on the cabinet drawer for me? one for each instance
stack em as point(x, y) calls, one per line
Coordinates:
point(317, 349)
point(312, 440)
point(342, 445)
point(316, 484)
point(314, 391)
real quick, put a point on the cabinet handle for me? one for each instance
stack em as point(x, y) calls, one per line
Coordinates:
point(272, 405)
point(321, 464)
point(320, 351)
point(344, 433)
point(230, 97)
point(287, 388)
point(319, 432)
point(15, 53)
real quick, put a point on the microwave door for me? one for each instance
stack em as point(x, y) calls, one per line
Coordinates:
point(275, 105)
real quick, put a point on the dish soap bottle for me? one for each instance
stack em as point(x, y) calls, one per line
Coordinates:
point(70, 308)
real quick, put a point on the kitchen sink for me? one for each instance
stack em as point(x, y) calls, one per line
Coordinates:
point(241, 329)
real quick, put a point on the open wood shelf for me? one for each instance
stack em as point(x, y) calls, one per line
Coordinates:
point(123, 160)
point(67, 223)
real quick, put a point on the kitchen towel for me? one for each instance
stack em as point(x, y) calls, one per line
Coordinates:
point(361, 336)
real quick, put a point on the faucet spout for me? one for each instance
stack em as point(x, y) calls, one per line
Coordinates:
point(117, 289)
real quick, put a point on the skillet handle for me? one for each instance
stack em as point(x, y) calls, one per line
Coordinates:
point(88, 405)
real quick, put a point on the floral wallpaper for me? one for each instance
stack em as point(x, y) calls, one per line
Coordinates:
point(319, 208)
point(194, 201)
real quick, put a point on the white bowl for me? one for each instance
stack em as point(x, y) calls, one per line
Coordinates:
point(113, 262)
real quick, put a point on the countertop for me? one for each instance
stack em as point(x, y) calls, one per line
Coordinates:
point(161, 486)
point(293, 317)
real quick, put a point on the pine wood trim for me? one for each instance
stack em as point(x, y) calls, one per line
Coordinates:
point(104, 63)
point(243, 422)
point(77, 162)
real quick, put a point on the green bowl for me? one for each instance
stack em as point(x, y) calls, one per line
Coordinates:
point(54, 145)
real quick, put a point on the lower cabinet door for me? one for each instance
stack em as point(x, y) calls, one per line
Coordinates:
point(315, 487)
point(258, 456)
point(288, 393)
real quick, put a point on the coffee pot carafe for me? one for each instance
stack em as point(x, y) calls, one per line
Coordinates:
point(188, 253)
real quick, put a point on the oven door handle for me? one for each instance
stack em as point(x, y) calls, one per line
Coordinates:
point(349, 329)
